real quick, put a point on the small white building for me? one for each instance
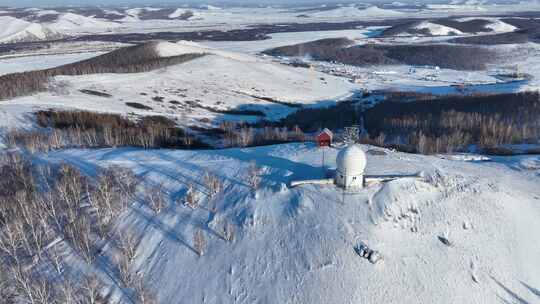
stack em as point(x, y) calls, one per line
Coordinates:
point(351, 163)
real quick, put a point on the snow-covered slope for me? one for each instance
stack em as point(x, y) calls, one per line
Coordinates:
point(437, 29)
point(179, 12)
point(74, 23)
point(17, 30)
point(296, 245)
point(498, 26)
point(196, 91)
point(495, 24)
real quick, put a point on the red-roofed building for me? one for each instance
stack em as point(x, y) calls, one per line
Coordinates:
point(324, 138)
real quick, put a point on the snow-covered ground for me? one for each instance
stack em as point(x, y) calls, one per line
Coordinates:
point(296, 245)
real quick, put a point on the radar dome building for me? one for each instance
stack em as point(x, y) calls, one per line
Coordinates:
point(350, 172)
point(351, 164)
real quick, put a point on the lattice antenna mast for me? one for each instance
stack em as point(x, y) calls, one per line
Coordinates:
point(351, 134)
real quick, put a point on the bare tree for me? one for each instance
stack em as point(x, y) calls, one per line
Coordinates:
point(23, 282)
point(11, 241)
point(124, 268)
point(127, 243)
point(199, 242)
point(127, 246)
point(91, 291)
point(191, 199)
point(43, 291)
point(79, 233)
point(155, 197)
point(7, 294)
point(68, 292)
point(380, 140)
point(228, 231)
point(144, 295)
point(213, 183)
point(246, 136)
point(253, 175)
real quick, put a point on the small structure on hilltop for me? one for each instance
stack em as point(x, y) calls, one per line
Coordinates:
point(349, 175)
point(324, 138)
point(351, 163)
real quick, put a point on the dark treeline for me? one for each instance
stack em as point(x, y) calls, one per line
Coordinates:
point(313, 119)
point(519, 36)
point(80, 129)
point(339, 50)
point(470, 26)
point(134, 59)
point(454, 123)
point(427, 124)
point(244, 135)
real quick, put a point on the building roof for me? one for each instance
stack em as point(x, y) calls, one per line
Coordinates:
point(327, 131)
point(351, 160)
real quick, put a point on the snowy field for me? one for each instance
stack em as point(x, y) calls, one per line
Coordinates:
point(296, 245)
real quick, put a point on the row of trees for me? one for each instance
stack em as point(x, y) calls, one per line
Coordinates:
point(67, 129)
point(242, 135)
point(454, 123)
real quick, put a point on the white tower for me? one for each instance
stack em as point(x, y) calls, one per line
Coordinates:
point(351, 163)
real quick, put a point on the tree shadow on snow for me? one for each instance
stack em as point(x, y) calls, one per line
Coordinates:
point(514, 297)
point(168, 232)
point(533, 290)
point(262, 158)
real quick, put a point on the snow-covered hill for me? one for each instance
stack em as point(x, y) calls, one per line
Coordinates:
point(434, 29)
point(70, 23)
point(494, 24)
point(200, 91)
point(296, 245)
point(17, 30)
